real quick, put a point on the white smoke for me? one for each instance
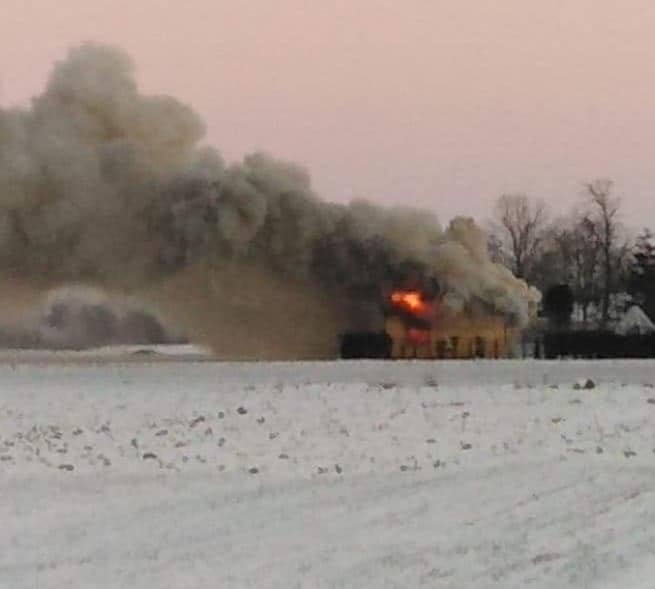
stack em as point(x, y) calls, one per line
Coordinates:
point(463, 264)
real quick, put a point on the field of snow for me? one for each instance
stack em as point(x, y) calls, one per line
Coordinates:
point(338, 474)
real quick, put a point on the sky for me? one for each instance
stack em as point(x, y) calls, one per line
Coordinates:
point(431, 103)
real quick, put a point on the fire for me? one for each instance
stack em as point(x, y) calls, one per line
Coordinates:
point(409, 300)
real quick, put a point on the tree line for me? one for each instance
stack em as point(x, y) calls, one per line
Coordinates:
point(586, 260)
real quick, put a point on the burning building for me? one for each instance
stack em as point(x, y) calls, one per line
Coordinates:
point(459, 304)
point(418, 327)
point(424, 323)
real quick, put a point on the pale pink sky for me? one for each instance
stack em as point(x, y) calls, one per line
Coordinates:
point(441, 104)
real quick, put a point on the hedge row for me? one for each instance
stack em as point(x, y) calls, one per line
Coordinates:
point(365, 344)
point(597, 344)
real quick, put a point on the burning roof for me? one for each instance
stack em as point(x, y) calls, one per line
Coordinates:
point(409, 300)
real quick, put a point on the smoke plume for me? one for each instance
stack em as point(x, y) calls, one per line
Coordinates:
point(104, 186)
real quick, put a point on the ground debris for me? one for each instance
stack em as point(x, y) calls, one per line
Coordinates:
point(196, 421)
point(545, 557)
point(586, 384)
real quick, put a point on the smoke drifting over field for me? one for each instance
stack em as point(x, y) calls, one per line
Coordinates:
point(79, 318)
point(104, 186)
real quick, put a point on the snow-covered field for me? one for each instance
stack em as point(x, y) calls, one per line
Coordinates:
point(345, 474)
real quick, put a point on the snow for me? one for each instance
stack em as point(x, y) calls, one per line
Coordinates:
point(178, 473)
point(635, 321)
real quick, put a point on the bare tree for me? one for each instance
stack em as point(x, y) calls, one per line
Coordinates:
point(521, 223)
point(548, 267)
point(495, 247)
point(579, 260)
point(603, 222)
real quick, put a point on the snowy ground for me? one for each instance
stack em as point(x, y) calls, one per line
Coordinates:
point(364, 475)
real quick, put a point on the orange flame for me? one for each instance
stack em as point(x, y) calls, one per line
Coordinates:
point(409, 300)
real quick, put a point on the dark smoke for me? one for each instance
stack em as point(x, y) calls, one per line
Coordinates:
point(104, 186)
